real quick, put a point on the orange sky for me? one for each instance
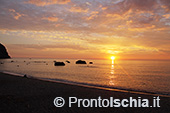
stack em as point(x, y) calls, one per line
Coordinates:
point(127, 29)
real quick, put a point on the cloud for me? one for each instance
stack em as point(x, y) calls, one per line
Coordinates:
point(50, 51)
point(86, 16)
point(47, 2)
point(165, 4)
point(93, 15)
point(167, 16)
point(51, 19)
point(15, 14)
point(45, 47)
point(78, 9)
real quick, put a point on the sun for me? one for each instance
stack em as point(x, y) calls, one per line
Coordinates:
point(113, 57)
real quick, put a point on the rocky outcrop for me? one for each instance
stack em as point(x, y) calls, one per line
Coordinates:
point(3, 52)
point(67, 61)
point(59, 63)
point(81, 62)
point(90, 62)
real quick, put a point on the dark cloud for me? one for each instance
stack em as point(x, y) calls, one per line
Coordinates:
point(33, 15)
point(102, 17)
point(166, 4)
point(44, 47)
point(46, 2)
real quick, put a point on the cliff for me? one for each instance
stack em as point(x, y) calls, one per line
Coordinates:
point(3, 52)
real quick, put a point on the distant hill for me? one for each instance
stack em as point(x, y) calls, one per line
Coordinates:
point(3, 52)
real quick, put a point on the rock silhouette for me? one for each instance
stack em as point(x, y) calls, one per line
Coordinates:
point(67, 61)
point(90, 62)
point(59, 63)
point(81, 62)
point(3, 52)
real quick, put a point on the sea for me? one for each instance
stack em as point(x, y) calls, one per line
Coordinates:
point(148, 76)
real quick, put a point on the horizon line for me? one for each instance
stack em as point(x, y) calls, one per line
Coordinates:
point(86, 58)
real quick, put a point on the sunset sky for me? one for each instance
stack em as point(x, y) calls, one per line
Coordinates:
point(127, 29)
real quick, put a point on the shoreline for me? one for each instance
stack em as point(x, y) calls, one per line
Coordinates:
point(19, 94)
point(90, 85)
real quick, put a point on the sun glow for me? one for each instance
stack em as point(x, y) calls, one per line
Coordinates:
point(113, 57)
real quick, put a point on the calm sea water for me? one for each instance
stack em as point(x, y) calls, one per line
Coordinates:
point(137, 75)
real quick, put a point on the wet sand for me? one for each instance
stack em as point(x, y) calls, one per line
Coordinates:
point(27, 95)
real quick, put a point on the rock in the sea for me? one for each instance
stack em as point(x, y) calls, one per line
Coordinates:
point(67, 61)
point(81, 62)
point(59, 63)
point(3, 52)
point(90, 62)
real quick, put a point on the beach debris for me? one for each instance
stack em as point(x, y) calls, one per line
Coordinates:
point(81, 62)
point(59, 63)
point(1, 63)
point(17, 65)
point(67, 61)
point(90, 62)
point(12, 61)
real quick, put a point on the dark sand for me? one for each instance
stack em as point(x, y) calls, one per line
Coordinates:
point(25, 95)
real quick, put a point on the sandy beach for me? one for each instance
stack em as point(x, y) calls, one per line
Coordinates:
point(26, 95)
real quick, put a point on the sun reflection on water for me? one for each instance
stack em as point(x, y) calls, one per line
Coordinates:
point(112, 73)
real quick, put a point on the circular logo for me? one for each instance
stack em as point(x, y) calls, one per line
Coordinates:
point(59, 102)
